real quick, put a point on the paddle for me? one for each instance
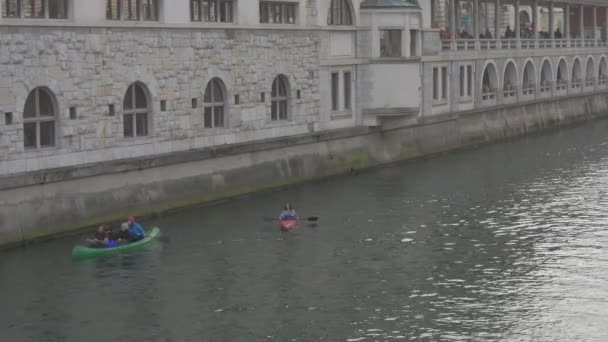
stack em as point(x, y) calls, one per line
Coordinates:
point(311, 219)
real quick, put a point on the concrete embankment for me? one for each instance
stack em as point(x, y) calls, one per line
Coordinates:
point(43, 204)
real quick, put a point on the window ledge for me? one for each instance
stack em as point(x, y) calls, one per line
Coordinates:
point(394, 60)
point(341, 114)
point(465, 99)
point(442, 102)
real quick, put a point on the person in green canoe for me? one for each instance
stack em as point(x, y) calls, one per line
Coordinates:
point(136, 231)
point(104, 237)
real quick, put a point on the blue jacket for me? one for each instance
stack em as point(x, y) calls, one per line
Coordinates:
point(136, 231)
point(289, 215)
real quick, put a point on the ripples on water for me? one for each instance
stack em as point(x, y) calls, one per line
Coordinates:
point(501, 243)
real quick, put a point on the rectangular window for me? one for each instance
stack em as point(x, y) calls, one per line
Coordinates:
point(225, 11)
point(130, 9)
point(113, 9)
point(335, 84)
point(73, 113)
point(212, 10)
point(462, 81)
point(469, 80)
point(435, 83)
point(277, 12)
point(390, 43)
point(11, 8)
point(347, 89)
point(194, 103)
point(149, 9)
point(34, 9)
point(163, 105)
point(413, 42)
point(444, 82)
point(58, 9)
point(111, 110)
point(8, 118)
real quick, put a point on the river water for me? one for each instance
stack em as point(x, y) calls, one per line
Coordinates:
point(506, 242)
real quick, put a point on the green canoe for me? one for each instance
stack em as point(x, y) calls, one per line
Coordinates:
point(83, 252)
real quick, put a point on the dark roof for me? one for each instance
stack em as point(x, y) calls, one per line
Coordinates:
point(389, 4)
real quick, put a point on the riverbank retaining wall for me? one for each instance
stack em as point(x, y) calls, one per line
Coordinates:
point(46, 203)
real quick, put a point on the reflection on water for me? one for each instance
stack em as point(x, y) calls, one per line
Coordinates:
point(502, 243)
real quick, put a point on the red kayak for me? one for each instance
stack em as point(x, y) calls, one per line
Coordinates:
point(286, 225)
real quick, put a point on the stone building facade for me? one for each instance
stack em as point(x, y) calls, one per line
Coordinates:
point(86, 73)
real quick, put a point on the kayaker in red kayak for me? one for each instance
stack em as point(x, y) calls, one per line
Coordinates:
point(288, 213)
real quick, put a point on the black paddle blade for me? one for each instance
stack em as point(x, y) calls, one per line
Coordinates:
point(313, 218)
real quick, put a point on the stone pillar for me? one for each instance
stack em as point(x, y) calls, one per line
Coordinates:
point(566, 32)
point(594, 23)
point(497, 14)
point(476, 19)
point(535, 21)
point(551, 20)
point(581, 24)
point(517, 23)
point(452, 19)
point(606, 24)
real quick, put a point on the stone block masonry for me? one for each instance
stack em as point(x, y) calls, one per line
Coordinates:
point(91, 68)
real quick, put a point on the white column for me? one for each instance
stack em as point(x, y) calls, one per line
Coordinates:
point(497, 13)
point(551, 20)
point(594, 23)
point(517, 23)
point(535, 21)
point(452, 20)
point(581, 18)
point(566, 32)
point(476, 19)
point(406, 39)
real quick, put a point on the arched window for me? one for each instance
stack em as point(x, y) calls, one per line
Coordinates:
point(135, 111)
point(39, 119)
point(279, 98)
point(214, 103)
point(340, 13)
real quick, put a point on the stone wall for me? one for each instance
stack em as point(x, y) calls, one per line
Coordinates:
point(52, 202)
point(91, 68)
